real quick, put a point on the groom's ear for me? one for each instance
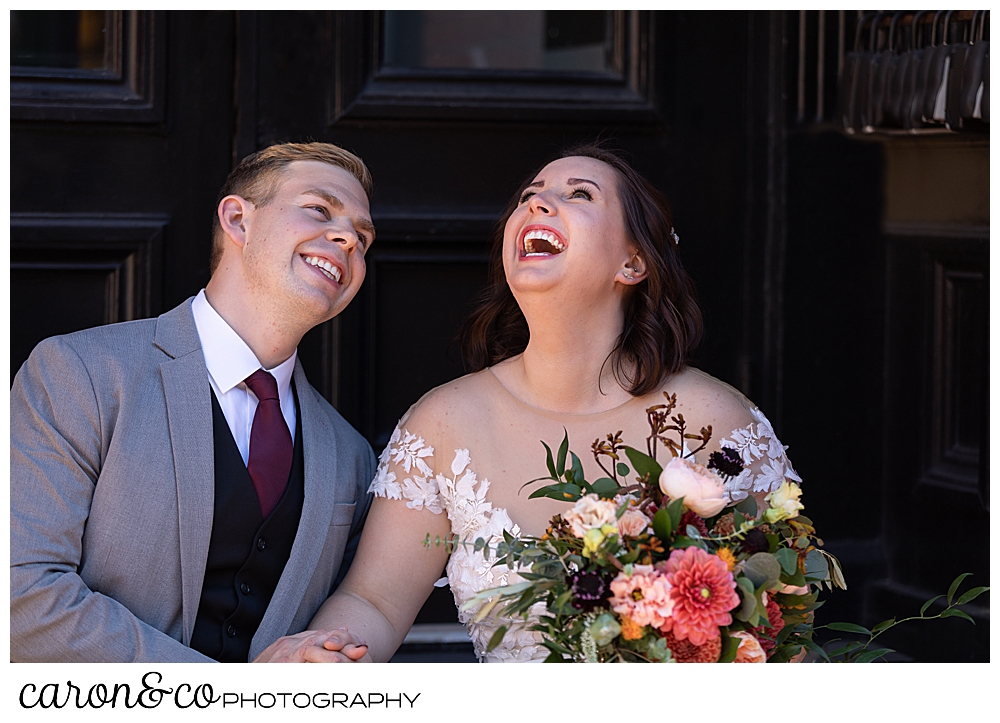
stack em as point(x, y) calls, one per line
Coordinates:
point(234, 213)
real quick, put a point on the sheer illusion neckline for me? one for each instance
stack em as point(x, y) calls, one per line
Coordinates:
point(555, 415)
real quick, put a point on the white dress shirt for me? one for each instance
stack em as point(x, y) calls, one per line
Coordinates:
point(230, 361)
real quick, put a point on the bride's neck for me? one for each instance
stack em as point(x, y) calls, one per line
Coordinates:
point(566, 367)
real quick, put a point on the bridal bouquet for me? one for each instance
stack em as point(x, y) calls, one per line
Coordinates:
point(653, 564)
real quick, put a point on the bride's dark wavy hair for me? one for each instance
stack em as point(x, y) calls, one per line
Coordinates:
point(663, 323)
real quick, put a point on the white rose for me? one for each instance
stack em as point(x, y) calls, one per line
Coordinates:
point(590, 512)
point(702, 490)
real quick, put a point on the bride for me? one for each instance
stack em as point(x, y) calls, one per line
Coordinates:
point(589, 317)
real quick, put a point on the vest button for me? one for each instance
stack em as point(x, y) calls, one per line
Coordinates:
point(244, 588)
point(231, 631)
point(261, 544)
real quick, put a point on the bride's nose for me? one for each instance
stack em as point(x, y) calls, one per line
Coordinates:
point(540, 203)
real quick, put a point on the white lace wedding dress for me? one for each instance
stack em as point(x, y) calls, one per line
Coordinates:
point(409, 470)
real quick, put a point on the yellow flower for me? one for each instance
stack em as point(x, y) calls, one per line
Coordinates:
point(784, 502)
point(726, 555)
point(631, 630)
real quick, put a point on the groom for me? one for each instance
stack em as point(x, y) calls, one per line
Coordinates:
point(179, 491)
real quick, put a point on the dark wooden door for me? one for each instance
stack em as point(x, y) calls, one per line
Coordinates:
point(121, 126)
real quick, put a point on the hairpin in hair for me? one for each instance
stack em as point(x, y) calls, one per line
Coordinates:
point(675, 237)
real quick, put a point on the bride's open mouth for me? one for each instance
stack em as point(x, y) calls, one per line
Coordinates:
point(539, 242)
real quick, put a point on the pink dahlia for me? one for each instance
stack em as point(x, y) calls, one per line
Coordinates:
point(703, 592)
point(643, 596)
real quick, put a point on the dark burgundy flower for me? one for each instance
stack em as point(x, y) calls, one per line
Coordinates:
point(590, 590)
point(756, 541)
point(690, 518)
point(726, 462)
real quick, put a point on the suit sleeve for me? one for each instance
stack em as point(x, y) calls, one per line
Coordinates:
point(364, 499)
point(57, 444)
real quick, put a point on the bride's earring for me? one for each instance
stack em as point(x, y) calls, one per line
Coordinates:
point(632, 268)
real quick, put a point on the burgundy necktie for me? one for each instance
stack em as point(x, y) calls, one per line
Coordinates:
point(270, 460)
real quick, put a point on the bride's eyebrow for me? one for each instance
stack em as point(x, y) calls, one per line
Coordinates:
point(573, 181)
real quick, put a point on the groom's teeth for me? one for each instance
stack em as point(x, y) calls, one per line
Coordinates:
point(323, 265)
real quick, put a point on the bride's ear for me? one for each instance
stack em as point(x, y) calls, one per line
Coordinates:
point(632, 271)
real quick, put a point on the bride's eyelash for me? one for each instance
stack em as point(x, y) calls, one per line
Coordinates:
point(586, 194)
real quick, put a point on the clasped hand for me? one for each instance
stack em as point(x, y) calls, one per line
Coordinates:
point(316, 646)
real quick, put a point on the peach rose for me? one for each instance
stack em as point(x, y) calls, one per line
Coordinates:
point(702, 490)
point(632, 523)
point(749, 650)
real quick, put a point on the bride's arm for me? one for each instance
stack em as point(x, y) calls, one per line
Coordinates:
point(390, 578)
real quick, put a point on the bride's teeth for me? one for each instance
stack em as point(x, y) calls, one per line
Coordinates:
point(537, 234)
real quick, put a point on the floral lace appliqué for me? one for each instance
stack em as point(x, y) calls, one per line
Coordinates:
point(463, 497)
point(766, 464)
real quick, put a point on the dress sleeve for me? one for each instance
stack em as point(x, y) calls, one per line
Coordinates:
point(765, 463)
point(405, 472)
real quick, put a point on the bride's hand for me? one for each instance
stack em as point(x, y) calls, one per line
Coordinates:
point(315, 646)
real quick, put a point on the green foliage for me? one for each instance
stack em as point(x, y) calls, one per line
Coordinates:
point(861, 652)
point(643, 464)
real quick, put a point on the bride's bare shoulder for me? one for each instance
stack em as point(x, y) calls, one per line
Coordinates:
point(451, 406)
point(702, 395)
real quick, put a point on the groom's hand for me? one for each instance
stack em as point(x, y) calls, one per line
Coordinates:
point(315, 646)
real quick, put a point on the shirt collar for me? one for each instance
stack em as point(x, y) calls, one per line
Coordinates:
point(227, 356)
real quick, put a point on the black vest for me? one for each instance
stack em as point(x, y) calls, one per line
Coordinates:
point(246, 554)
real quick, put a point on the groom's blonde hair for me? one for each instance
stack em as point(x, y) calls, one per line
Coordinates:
point(256, 178)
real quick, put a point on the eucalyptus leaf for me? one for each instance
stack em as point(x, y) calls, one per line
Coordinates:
point(836, 573)
point(577, 468)
point(676, 509)
point(954, 585)
point(563, 492)
point(785, 654)
point(884, 625)
point(956, 613)
point(622, 469)
point(870, 656)
point(971, 595)
point(762, 568)
point(816, 566)
point(849, 628)
point(548, 461)
point(923, 608)
point(815, 648)
point(605, 488)
point(850, 647)
point(693, 532)
point(630, 557)
point(561, 458)
point(729, 647)
point(748, 507)
point(496, 638)
point(788, 559)
point(643, 464)
point(748, 601)
point(738, 520)
point(662, 524)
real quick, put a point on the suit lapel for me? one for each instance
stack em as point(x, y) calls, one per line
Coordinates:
point(319, 451)
point(189, 418)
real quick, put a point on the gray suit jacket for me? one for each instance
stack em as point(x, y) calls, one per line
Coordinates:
point(112, 490)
